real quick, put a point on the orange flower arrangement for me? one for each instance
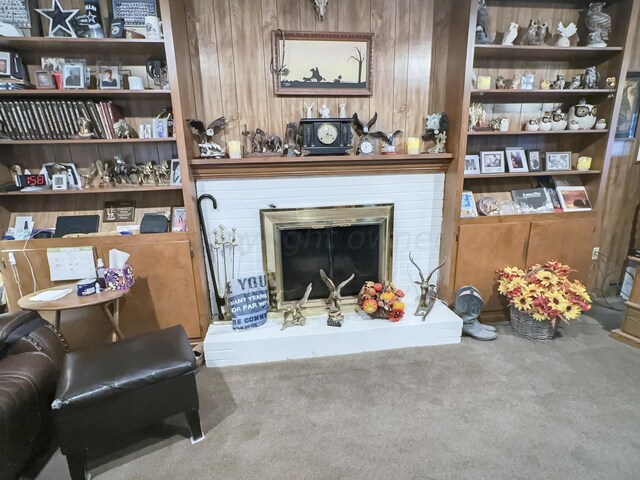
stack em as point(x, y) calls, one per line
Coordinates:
point(380, 301)
point(544, 292)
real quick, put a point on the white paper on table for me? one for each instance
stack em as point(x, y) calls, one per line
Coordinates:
point(51, 295)
point(73, 263)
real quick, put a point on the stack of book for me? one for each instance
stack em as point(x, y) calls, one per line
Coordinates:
point(9, 83)
point(548, 195)
point(57, 119)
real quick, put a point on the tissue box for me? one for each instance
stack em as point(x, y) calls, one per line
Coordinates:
point(119, 278)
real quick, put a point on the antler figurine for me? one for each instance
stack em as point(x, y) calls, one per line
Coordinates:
point(295, 312)
point(428, 292)
point(333, 302)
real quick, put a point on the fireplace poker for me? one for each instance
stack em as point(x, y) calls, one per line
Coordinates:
point(224, 243)
point(234, 244)
point(216, 248)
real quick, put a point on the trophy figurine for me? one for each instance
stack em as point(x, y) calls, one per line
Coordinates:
point(293, 315)
point(333, 302)
point(204, 136)
point(428, 292)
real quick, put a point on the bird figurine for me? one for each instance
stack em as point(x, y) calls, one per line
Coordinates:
point(529, 37)
point(204, 136)
point(482, 23)
point(611, 85)
point(293, 315)
point(590, 78)
point(511, 34)
point(390, 138)
point(366, 142)
point(500, 83)
point(565, 33)
point(541, 33)
point(599, 25)
point(516, 81)
point(575, 83)
point(532, 125)
point(558, 83)
point(334, 300)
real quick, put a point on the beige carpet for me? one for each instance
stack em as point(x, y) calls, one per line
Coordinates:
point(508, 409)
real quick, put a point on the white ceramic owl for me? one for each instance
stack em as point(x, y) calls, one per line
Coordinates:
point(558, 120)
point(545, 122)
point(584, 114)
point(601, 124)
point(532, 125)
point(511, 34)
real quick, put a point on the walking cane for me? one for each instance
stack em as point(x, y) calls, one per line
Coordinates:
point(203, 227)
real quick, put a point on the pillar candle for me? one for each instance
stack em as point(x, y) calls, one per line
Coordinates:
point(234, 149)
point(413, 146)
point(584, 163)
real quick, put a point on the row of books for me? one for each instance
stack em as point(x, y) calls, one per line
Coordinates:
point(549, 195)
point(56, 119)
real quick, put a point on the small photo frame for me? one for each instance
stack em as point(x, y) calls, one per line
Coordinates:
point(109, 77)
point(145, 130)
point(557, 161)
point(535, 164)
point(176, 176)
point(471, 164)
point(5, 63)
point(43, 80)
point(484, 82)
point(53, 64)
point(516, 159)
point(73, 75)
point(492, 162)
point(178, 219)
point(160, 128)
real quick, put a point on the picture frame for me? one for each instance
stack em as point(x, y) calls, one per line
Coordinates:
point(160, 128)
point(54, 64)
point(178, 219)
point(74, 178)
point(5, 64)
point(176, 176)
point(471, 164)
point(109, 77)
point(145, 130)
point(557, 161)
point(534, 162)
point(322, 63)
point(43, 80)
point(628, 117)
point(73, 75)
point(516, 160)
point(492, 161)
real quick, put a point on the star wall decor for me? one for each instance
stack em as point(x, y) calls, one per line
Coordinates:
point(59, 19)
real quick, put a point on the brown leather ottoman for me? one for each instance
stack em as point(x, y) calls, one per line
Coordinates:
point(109, 391)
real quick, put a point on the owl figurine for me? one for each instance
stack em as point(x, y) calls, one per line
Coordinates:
point(601, 124)
point(590, 78)
point(529, 37)
point(584, 114)
point(558, 83)
point(575, 83)
point(541, 33)
point(500, 83)
point(574, 125)
point(532, 125)
point(516, 81)
point(558, 120)
point(511, 34)
point(545, 122)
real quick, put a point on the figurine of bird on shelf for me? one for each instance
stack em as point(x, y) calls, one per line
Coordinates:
point(204, 136)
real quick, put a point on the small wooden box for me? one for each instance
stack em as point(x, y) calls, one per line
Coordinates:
point(631, 323)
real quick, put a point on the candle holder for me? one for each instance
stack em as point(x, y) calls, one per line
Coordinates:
point(413, 146)
point(234, 149)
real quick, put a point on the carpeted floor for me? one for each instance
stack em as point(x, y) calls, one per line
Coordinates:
point(508, 409)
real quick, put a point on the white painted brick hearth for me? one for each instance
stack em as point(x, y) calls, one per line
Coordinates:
point(418, 201)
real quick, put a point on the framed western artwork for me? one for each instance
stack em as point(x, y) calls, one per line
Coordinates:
point(557, 161)
point(322, 63)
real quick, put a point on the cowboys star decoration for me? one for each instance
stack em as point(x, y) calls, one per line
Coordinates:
point(59, 19)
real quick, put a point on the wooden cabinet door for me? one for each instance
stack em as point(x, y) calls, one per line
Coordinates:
point(568, 241)
point(164, 293)
point(482, 249)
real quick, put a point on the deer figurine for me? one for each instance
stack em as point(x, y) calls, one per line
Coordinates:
point(321, 8)
point(428, 292)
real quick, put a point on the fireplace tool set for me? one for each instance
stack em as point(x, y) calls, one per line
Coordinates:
point(224, 247)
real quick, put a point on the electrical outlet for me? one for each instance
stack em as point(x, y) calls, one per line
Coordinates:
point(595, 253)
point(12, 258)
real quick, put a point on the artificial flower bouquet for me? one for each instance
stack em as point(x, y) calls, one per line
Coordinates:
point(544, 292)
point(381, 301)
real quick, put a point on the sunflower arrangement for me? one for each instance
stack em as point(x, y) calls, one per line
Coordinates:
point(381, 301)
point(544, 292)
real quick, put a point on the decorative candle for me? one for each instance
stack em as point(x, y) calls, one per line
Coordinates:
point(413, 146)
point(584, 163)
point(234, 149)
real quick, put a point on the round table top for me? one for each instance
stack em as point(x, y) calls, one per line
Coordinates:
point(71, 300)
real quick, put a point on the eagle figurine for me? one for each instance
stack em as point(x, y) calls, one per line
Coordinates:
point(205, 135)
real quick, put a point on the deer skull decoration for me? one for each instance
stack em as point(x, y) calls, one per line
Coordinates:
point(321, 8)
point(428, 292)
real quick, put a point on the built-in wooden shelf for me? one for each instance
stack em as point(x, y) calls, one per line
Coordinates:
point(490, 133)
point(85, 93)
point(534, 174)
point(96, 239)
point(270, 166)
point(88, 142)
point(508, 53)
point(94, 191)
point(534, 96)
point(527, 217)
point(99, 46)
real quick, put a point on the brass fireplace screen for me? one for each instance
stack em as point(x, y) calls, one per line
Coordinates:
point(297, 243)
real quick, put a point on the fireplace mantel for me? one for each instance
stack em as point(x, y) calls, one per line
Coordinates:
point(271, 166)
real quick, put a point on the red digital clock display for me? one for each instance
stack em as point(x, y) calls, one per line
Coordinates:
point(35, 180)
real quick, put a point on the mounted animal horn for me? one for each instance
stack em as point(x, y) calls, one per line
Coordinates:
point(321, 8)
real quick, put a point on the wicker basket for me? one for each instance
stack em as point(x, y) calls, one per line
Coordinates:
point(525, 324)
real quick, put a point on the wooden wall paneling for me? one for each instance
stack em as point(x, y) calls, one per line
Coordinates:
point(356, 17)
point(420, 51)
point(489, 248)
point(572, 241)
point(274, 122)
point(401, 70)
point(201, 24)
point(289, 18)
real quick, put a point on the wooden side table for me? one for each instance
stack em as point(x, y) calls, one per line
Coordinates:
point(109, 300)
point(630, 331)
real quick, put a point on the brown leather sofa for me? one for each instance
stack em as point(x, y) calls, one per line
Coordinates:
point(31, 355)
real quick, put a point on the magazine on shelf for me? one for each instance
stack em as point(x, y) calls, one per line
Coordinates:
point(574, 199)
point(468, 205)
point(532, 200)
point(567, 181)
point(495, 203)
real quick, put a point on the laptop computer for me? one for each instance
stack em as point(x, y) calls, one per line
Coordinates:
point(76, 224)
